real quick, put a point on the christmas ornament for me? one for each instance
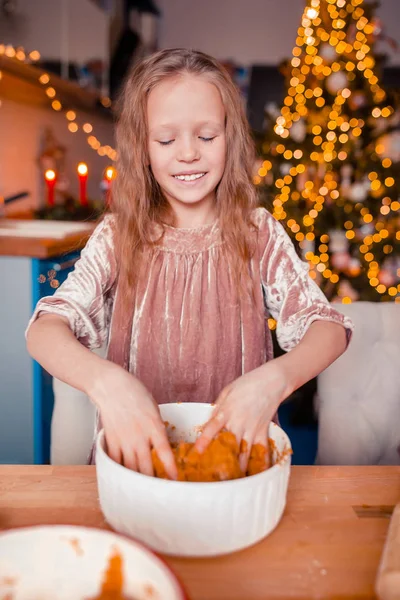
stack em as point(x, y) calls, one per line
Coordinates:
point(367, 229)
point(53, 157)
point(272, 110)
point(346, 172)
point(386, 278)
point(357, 100)
point(285, 168)
point(390, 144)
point(340, 260)
point(357, 192)
point(327, 52)
point(298, 131)
point(301, 181)
point(307, 246)
point(354, 267)
point(335, 82)
point(338, 241)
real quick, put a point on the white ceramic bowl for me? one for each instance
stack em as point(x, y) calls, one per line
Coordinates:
point(193, 519)
point(68, 563)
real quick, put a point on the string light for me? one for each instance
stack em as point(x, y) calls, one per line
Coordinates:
point(51, 91)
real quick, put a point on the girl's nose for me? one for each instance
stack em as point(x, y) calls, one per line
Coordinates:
point(188, 151)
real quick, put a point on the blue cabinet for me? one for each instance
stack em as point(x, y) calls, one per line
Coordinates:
point(26, 395)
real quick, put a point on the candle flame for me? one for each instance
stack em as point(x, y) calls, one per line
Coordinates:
point(110, 173)
point(82, 168)
point(50, 175)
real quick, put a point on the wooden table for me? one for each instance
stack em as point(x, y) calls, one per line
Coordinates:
point(328, 544)
point(44, 247)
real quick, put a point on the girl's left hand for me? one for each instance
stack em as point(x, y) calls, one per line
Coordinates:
point(246, 407)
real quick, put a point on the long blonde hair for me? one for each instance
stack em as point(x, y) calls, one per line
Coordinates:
point(138, 201)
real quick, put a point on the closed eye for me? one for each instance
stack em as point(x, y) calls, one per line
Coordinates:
point(204, 139)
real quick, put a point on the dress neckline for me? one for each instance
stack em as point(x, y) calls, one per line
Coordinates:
point(191, 229)
point(190, 240)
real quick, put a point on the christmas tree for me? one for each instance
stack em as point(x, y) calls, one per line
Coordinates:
point(329, 166)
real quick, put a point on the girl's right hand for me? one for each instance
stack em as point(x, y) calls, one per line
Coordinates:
point(131, 420)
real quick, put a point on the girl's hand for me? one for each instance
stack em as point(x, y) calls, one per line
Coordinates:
point(246, 408)
point(131, 420)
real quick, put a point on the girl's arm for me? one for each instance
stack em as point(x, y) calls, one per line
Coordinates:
point(320, 346)
point(83, 301)
point(248, 404)
point(291, 296)
point(130, 416)
point(52, 344)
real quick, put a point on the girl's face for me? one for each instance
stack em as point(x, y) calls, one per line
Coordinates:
point(186, 125)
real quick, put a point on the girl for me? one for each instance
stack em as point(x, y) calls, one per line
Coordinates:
point(178, 281)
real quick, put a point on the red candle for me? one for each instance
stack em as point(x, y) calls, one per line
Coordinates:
point(50, 179)
point(83, 175)
point(109, 174)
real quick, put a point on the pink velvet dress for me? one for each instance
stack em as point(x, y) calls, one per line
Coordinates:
point(188, 334)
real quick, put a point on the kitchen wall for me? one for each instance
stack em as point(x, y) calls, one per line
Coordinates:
point(22, 127)
point(77, 30)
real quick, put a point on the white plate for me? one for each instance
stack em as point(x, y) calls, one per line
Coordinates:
point(69, 563)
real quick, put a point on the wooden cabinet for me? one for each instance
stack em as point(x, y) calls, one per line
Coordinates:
point(26, 394)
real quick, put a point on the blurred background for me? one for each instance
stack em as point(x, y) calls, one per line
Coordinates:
point(90, 43)
point(320, 80)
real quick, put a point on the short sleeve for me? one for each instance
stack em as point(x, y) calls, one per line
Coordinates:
point(292, 298)
point(84, 297)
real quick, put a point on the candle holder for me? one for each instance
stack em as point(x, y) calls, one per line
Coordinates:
point(70, 209)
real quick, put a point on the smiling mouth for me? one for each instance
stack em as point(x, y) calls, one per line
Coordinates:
point(192, 177)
